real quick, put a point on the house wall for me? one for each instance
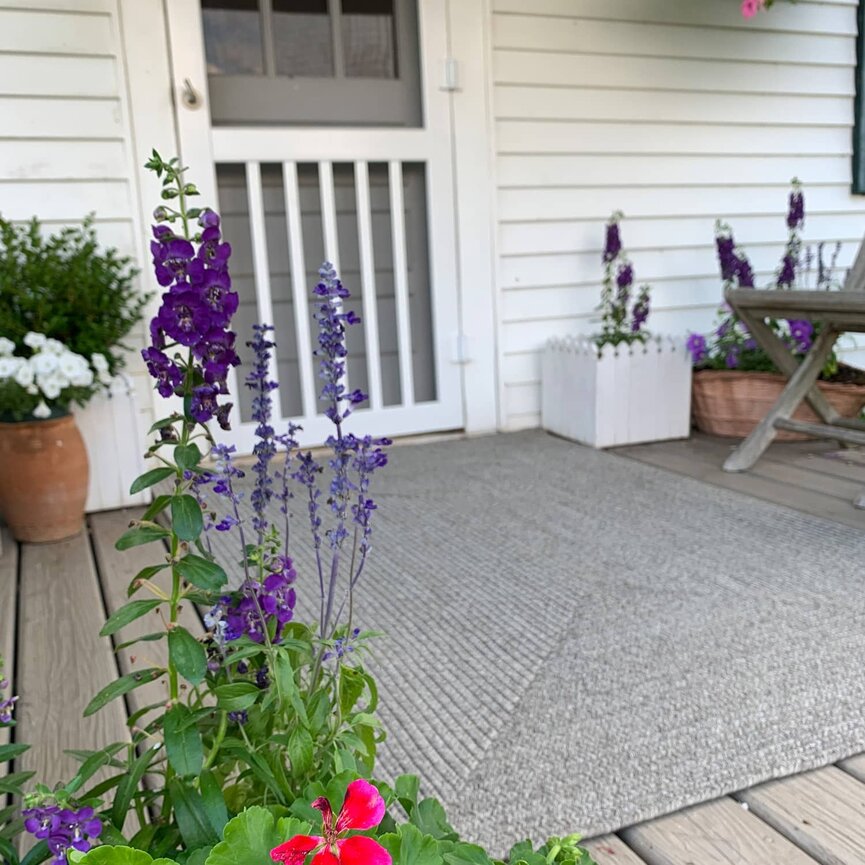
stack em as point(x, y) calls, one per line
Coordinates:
point(65, 134)
point(675, 113)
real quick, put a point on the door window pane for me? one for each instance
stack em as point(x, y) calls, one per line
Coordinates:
point(368, 38)
point(302, 37)
point(232, 37)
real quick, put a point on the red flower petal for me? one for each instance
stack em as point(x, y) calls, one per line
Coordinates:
point(296, 849)
point(361, 850)
point(325, 857)
point(362, 808)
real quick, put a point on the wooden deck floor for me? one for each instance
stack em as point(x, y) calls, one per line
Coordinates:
point(818, 478)
point(54, 599)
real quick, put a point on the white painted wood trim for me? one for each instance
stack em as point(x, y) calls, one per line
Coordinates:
point(261, 267)
point(470, 23)
point(400, 277)
point(367, 283)
point(298, 288)
point(271, 144)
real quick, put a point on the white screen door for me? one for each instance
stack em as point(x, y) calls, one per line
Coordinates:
point(376, 200)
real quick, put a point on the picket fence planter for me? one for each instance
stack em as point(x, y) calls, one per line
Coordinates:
point(616, 396)
point(109, 426)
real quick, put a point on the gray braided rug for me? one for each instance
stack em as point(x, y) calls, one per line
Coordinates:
point(576, 641)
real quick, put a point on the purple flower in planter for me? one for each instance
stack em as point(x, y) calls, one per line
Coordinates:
point(171, 256)
point(802, 332)
point(732, 357)
point(258, 381)
point(63, 829)
point(744, 274)
point(796, 207)
point(641, 310)
point(167, 374)
point(331, 351)
point(196, 311)
point(7, 704)
point(787, 274)
point(696, 345)
point(726, 248)
point(612, 239)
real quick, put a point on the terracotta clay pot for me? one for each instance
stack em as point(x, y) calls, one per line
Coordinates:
point(43, 479)
point(732, 403)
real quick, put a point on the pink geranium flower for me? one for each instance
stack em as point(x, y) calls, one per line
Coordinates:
point(751, 7)
point(362, 808)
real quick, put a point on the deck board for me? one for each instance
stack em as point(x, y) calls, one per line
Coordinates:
point(62, 661)
point(716, 833)
point(793, 474)
point(611, 850)
point(8, 591)
point(117, 569)
point(821, 811)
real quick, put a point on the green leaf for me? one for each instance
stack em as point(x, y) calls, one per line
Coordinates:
point(143, 533)
point(407, 788)
point(202, 573)
point(122, 686)
point(187, 655)
point(249, 837)
point(288, 686)
point(144, 574)
point(467, 854)
point(429, 816)
point(9, 752)
point(300, 751)
point(158, 505)
point(214, 801)
point(409, 846)
point(191, 816)
point(39, 853)
point(163, 423)
point(145, 638)
point(91, 766)
point(126, 614)
point(148, 479)
point(236, 696)
point(351, 686)
point(182, 742)
point(186, 519)
point(120, 855)
point(129, 782)
point(187, 456)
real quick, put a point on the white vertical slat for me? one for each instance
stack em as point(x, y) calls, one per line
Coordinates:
point(298, 288)
point(328, 213)
point(400, 274)
point(328, 226)
point(367, 282)
point(261, 266)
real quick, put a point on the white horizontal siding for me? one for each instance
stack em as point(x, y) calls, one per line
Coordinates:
point(676, 113)
point(65, 138)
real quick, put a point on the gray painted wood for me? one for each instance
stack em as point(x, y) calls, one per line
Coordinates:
point(62, 660)
point(611, 850)
point(781, 357)
point(822, 811)
point(8, 592)
point(799, 384)
point(716, 833)
point(851, 436)
point(700, 457)
point(116, 571)
point(855, 766)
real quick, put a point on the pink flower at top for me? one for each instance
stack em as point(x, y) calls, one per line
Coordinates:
point(751, 7)
point(362, 808)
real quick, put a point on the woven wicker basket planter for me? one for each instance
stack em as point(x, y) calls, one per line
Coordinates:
point(731, 403)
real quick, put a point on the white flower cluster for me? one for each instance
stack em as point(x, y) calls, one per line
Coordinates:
point(50, 369)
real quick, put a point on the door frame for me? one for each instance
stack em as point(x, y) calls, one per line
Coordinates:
point(160, 119)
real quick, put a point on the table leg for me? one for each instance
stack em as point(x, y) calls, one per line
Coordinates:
point(802, 380)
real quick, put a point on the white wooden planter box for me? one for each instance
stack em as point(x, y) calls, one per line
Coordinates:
point(109, 426)
point(616, 396)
